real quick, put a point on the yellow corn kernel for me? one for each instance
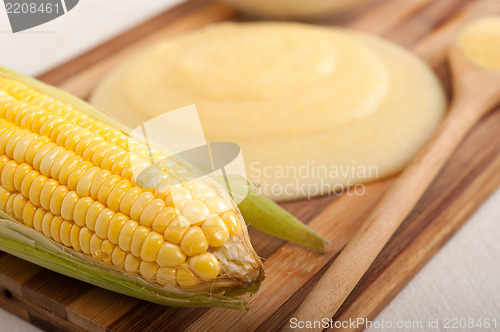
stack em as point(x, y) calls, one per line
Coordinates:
point(138, 166)
point(120, 163)
point(195, 184)
point(195, 212)
point(185, 177)
point(49, 124)
point(55, 228)
point(132, 264)
point(176, 229)
point(40, 154)
point(84, 121)
point(102, 222)
point(4, 198)
point(166, 276)
point(9, 111)
point(22, 146)
point(107, 249)
point(217, 205)
point(46, 224)
point(92, 148)
point(27, 182)
point(27, 109)
point(165, 187)
point(138, 239)
point(126, 235)
point(232, 222)
point(35, 191)
point(9, 206)
point(128, 199)
point(92, 213)
point(18, 204)
point(143, 175)
point(38, 120)
point(175, 170)
point(95, 246)
point(148, 270)
point(3, 161)
point(48, 160)
point(127, 172)
point(84, 142)
point(59, 162)
point(101, 152)
point(108, 161)
point(65, 233)
point(151, 246)
point(153, 180)
point(28, 213)
point(202, 194)
point(83, 186)
point(163, 219)
point(194, 242)
point(75, 238)
point(13, 140)
point(68, 168)
point(106, 187)
point(139, 204)
point(118, 257)
point(20, 173)
point(151, 210)
point(170, 255)
point(38, 219)
point(186, 278)
point(215, 231)
point(46, 193)
point(57, 129)
point(27, 120)
point(116, 195)
point(4, 138)
point(178, 198)
point(116, 137)
point(57, 199)
point(77, 173)
point(206, 266)
point(80, 211)
point(96, 184)
point(73, 139)
point(115, 227)
point(64, 134)
point(7, 177)
point(68, 205)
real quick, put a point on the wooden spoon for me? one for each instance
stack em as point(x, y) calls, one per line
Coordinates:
point(476, 91)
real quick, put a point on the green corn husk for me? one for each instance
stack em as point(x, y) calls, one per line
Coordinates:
point(267, 216)
point(28, 244)
point(260, 212)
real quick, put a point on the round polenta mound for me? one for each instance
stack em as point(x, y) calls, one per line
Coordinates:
point(313, 109)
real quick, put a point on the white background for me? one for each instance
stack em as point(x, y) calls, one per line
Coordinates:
point(461, 281)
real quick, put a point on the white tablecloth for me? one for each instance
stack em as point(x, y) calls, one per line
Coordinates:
point(461, 281)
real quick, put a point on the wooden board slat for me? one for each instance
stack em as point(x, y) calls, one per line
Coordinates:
point(427, 27)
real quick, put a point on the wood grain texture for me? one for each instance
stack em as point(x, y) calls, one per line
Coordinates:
point(472, 174)
point(475, 92)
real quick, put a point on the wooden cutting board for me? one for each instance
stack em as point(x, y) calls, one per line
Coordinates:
point(427, 27)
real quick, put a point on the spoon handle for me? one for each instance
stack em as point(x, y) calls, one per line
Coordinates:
point(349, 267)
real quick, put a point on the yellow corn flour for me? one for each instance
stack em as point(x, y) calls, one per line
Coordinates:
point(480, 42)
point(313, 109)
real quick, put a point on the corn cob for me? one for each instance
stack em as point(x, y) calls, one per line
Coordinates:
point(87, 186)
